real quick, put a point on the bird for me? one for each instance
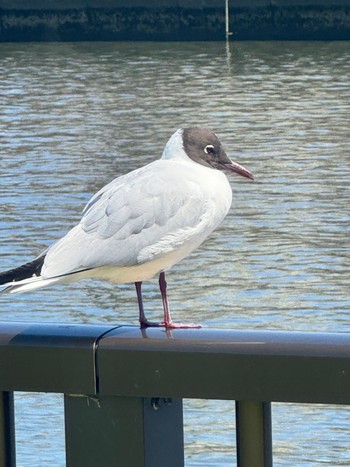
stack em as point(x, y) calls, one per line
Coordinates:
point(142, 223)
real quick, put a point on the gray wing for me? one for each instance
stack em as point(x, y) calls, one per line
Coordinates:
point(131, 220)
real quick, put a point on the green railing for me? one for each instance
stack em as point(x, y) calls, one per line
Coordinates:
point(123, 386)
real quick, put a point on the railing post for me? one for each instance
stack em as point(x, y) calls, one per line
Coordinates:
point(108, 431)
point(254, 434)
point(7, 430)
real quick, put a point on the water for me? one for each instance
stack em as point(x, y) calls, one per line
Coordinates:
point(74, 116)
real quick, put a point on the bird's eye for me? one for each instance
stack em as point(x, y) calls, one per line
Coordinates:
point(209, 149)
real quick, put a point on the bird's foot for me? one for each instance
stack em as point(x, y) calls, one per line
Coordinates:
point(168, 325)
point(149, 324)
point(172, 325)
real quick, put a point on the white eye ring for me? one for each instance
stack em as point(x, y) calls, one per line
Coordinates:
point(209, 149)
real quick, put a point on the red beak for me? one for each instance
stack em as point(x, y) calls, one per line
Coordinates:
point(239, 169)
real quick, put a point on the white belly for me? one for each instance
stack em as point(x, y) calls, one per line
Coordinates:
point(144, 271)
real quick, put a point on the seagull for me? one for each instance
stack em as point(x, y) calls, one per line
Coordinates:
point(142, 223)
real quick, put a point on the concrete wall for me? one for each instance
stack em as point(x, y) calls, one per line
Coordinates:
point(79, 4)
point(64, 20)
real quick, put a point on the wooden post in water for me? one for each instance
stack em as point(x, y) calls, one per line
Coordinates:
point(227, 20)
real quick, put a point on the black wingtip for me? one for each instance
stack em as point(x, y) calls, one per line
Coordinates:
point(33, 268)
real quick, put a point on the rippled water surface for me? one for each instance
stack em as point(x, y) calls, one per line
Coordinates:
point(74, 116)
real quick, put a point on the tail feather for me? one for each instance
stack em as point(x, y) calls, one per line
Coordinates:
point(27, 285)
point(28, 277)
point(26, 271)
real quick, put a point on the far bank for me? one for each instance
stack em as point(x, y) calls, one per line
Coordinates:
point(171, 20)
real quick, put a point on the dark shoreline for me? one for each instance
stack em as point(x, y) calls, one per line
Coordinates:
point(172, 22)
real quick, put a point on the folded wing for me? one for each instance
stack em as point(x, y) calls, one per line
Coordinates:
point(132, 220)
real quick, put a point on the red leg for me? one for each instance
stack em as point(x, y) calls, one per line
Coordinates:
point(144, 323)
point(142, 317)
point(162, 287)
point(167, 323)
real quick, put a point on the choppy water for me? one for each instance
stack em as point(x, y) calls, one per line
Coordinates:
point(74, 116)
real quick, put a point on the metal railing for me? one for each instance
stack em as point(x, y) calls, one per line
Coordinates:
point(123, 386)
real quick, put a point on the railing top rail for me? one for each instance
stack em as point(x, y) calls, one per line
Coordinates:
point(200, 363)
